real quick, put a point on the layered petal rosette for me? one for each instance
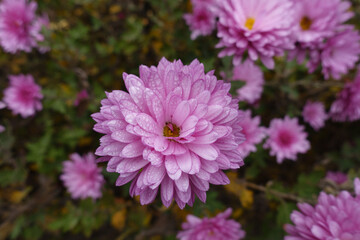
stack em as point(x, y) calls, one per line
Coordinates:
point(175, 131)
point(286, 139)
point(216, 228)
point(261, 28)
point(82, 177)
point(332, 218)
point(23, 96)
point(19, 26)
point(201, 21)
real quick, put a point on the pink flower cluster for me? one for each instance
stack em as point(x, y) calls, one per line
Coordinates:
point(175, 131)
point(19, 26)
point(23, 96)
point(314, 113)
point(265, 29)
point(82, 177)
point(337, 177)
point(216, 228)
point(333, 217)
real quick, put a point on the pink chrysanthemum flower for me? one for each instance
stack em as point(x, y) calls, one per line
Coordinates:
point(201, 21)
point(175, 131)
point(314, 114)
point(316, 20)
point(23, 96)
point(216, 228)
point(19, 26)
point(340, 53)
point(346, 107)
point(337, 177)
point(286, 139)
point(254, 134)
point(333, 217)
point(253, 77)
point(262, 28)
point(82, 177)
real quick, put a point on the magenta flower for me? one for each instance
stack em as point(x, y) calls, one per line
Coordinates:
point(333, 217)
point(314, 114)
point(216, 228)
point(19, 26)
point(253, 77)
point(23, 96)
point(337, 177)
point(201, 21)
point(175, 131)
point(340, 53)
point(286, 139)
point(82, 177)
point(316, 20)
point(81, 96)
point(346, 107)
point(262, 28)
point(254, 134)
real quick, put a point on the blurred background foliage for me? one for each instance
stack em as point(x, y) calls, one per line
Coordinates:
point(92, 43)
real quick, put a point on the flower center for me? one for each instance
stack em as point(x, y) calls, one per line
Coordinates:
point(171, 130)
point(305, 23)
point(286, 138)
point(249, 24)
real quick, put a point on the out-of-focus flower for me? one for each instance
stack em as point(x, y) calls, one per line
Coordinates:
point(337, 177)
point(314, 114)
point(23, 96)
point(82, 177)
point(81, 96)
point(19, 26)
point(201, 21)
point(175, 131)
point(333, 217)
point(216, 228)
point(286, 139)
point(254, 134)
point(340, 53)
point(316, 20)
point(346, 107)
point(262, 28)
point(253, 77)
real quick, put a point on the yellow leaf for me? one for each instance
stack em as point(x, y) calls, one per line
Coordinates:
point(17, 196)
point(115, 9)
point(118, 219)
point(235, 187)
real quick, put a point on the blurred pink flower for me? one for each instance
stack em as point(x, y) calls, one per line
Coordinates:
point(81, 96)
point(201, 21)
point(316, 20)
point(262, 28)
point(253, 77)
point(286, 139)
point(82, 177)
point(19, 26)
point(346, 107)
point(314, 114)
point(340, 53)
point(23, 95)
point(175, 131)
point(216, 228)
point(332, 218)
point(337, 177)
point(254, 134)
